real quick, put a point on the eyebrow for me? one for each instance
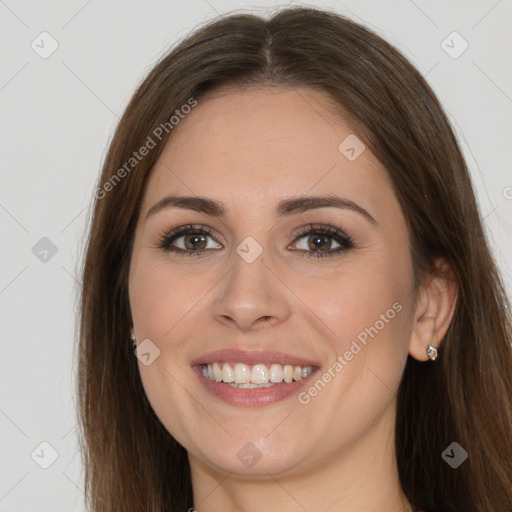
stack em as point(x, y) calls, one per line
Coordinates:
point(284, 208)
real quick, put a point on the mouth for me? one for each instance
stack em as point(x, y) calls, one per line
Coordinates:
point(252, 378)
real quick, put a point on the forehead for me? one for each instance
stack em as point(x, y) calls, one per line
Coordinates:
point(245, 146)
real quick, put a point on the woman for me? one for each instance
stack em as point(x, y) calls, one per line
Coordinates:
point(286, 231)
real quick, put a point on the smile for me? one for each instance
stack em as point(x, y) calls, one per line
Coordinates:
point(252, 378)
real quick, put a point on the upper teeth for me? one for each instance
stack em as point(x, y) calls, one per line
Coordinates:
point(259, 373)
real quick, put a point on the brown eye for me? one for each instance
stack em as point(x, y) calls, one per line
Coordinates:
point(319, 241)
point(195, 241)
point(187, 240)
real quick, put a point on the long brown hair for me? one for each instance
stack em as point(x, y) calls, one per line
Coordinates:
point(131, 462)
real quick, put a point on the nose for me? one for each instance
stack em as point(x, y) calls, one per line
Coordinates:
point(251, 296)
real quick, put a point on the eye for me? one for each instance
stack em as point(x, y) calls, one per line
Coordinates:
point(321, 237)
point(194, 240)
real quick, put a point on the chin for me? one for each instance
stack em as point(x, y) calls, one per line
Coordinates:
point(256, 459)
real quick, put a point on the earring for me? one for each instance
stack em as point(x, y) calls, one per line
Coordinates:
point(134, 339)
point(432, 352)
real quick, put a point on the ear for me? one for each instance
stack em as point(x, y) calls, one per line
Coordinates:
point(434, 311)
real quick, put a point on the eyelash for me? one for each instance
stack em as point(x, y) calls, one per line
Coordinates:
point(345, 241)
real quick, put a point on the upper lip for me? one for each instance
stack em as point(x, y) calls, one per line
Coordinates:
point(251, 357)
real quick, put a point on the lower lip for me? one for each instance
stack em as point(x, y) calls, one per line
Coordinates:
point(251, 397)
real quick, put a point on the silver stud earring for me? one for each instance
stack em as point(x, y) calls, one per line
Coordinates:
point(432, 352)
point(134, 339)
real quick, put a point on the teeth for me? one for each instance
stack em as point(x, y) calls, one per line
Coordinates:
point(242, 373)
point(276, 373)
point(227, 373)
point(217, 372)
point(259, 374)
point(251, 385)
point(243, 376)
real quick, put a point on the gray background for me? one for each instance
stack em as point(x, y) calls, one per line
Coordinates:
point(57, 115)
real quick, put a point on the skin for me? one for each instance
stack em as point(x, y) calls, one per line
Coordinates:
point(251, 149)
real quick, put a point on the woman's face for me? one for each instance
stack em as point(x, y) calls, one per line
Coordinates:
point(278, 286)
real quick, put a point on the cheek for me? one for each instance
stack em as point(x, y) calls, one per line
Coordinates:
point(160, 297)
point(357, 298)
point(366, 308)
